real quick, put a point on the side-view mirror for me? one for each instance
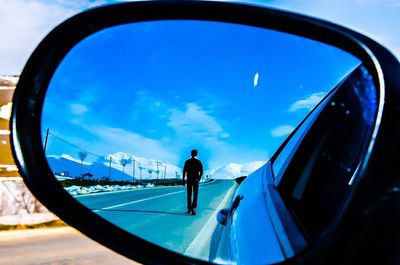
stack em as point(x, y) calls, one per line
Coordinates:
point(195, 132)
point(222, 216)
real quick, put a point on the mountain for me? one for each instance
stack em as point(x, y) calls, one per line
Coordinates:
point(141, 168)
point(145, 168)
point(233, 170)
point(67, 166)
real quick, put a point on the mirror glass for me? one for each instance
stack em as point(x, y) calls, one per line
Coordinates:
point(128, 104)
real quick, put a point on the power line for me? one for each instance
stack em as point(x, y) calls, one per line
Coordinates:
point(73, 145)
point(111, 160)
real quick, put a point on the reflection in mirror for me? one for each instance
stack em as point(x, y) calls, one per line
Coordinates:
point(127, 105)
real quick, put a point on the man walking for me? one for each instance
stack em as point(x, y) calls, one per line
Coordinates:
point(193, 170)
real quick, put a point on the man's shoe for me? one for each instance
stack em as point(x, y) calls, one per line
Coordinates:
point(189, 210)
point(193, 212)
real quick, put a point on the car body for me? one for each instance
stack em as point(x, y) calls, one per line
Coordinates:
point(270, 207)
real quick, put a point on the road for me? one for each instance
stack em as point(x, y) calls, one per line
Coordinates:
point(56, 246)
point(159, 214)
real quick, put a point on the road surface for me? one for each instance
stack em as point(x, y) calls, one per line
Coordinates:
point(159, 214)
point(56, 246)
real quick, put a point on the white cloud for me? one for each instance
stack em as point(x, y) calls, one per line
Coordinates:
point(223, 153)
point(195, 126)
point(380, 2)
point(195, 121)
point(307, 103)
point(24, 23)
point(281, 131)
point(146, 102)
point(225, 135)
point(78, 109)
point(117, 139)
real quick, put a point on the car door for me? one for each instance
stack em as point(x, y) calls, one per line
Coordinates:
point(289, 203)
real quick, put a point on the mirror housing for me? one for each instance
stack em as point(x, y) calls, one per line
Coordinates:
point(222, 216)
point(376, 178)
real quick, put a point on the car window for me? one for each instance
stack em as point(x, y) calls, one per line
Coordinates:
point(323, 166)
point(286, 153)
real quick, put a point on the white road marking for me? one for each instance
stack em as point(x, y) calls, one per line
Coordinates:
point(118, 191)
point(200, 242)
point(104, 193)
point(137, 201)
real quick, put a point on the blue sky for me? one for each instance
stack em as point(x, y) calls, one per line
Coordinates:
point(159, 89)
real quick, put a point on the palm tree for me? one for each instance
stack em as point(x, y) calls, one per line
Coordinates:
point(123, 163)
point(82, 155)
point(150, 171)
point(140, 168)
point(133, 169)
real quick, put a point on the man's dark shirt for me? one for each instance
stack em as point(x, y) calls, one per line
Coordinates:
point(193, 168)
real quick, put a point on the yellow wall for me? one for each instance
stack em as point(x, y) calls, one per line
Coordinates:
point(7, 165)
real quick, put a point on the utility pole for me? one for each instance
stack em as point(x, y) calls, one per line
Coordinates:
point(158, 171)
point(109, 170)
point(45, 141)
point(140, 168)
point(133, 170)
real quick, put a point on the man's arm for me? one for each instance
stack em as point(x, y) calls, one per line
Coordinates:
point(183, 174)
point(200, 170)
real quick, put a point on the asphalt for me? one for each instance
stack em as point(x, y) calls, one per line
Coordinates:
point(56, 246)
point(159, 214)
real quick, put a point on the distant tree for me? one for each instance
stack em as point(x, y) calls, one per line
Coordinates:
point(140, 168)
point(88, 175)
point(158, 163)
point(82, 156)
point(150, 171)
point(124, 162)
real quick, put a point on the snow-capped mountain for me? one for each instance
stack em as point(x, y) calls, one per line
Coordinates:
point(232, 170)
point(139, 167)
point(70, 167)
point(112, 166)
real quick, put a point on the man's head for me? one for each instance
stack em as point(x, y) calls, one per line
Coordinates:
point(194, 153)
